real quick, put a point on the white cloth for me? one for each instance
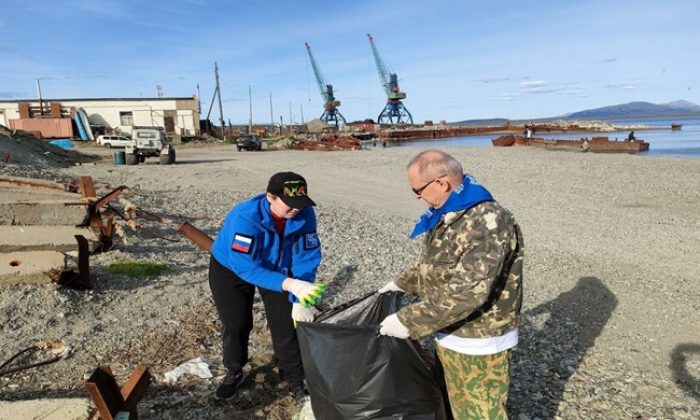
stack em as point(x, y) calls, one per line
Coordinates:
point(478, 346)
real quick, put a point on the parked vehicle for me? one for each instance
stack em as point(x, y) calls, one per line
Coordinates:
point(249, 143)
point(113, 140)
point(149, 142)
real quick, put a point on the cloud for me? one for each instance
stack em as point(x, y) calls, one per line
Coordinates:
point(538, 87)
point(625, 84)
point(495, 80)
point(510, 96)
point(607, 60)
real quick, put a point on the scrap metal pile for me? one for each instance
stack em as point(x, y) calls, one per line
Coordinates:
point(329, 142)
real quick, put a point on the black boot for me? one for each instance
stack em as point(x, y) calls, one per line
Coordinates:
point(299, 393)
point(229, 386)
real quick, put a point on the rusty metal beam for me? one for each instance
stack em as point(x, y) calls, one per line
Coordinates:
point(136, 386)
point(200, 238)
point(109, 399)
point(28, 182)
point(103, 201)
point(87, 188)
point(83, 280)
point(77, 279)
point(105, 393)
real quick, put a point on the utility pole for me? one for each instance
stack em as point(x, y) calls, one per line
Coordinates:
point(159, 89)
point(218, 92)
point(272, 116)
point(250, 111)
point(290, 113)
point(281, 124)
point(199, 101)
point(301, 108)
point(38, 91)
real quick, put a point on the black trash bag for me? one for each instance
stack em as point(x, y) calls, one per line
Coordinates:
point(354, 373)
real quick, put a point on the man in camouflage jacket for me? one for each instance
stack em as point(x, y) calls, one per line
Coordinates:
point(469, 280)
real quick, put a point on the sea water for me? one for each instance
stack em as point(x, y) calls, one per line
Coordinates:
point(662, 140)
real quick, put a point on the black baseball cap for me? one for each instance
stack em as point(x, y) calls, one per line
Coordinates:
point(291, 188)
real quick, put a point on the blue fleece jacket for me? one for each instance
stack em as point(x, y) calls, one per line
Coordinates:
point(248, 245)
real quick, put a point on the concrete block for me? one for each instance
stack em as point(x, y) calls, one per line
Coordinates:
point(44, 238)
point(46, 409)
point(29, 267)
point(36, 206)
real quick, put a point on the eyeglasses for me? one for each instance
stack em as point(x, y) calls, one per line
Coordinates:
point(418, 191)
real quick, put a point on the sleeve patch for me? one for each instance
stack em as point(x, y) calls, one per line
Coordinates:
point(242, 243)
point(311, 241)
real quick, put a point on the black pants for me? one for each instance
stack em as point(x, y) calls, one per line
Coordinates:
point(234, 301)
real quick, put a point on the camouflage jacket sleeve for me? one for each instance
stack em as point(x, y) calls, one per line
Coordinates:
point(460, 262)
point(408, 281)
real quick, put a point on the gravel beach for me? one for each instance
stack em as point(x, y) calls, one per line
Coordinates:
point(610, 326)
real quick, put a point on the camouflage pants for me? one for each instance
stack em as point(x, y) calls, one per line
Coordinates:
point(477, 386)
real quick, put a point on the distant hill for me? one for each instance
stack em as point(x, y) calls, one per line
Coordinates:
point(489, 121)
point(638, 109)
point(629, 110)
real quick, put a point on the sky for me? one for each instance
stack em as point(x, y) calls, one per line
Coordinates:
point(456, 60)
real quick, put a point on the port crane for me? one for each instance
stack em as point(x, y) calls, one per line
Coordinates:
point(394, 111)
point(330, 115)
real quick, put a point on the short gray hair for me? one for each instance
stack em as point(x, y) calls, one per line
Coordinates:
point(433, 162)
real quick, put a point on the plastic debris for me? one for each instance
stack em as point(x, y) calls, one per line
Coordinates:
point(198, 367)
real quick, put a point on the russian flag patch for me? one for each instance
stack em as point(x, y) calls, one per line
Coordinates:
point(242, 243)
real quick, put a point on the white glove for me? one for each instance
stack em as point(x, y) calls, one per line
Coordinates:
point(390, 287)
point(392, 327)
point(301, 314)
point(307, 293)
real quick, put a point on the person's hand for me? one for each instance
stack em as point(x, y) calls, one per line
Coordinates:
point(390, 287)
point(392, 327)
point(302, 314)
point(307, 293)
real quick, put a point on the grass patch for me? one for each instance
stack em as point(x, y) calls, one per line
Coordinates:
point(137, 269)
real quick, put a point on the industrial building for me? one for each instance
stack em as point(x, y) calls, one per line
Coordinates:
point(177, 116)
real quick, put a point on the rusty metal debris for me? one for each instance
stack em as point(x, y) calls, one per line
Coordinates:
point(112, 401)
point(76, 278)
point(594, 145)
point(104, 229)
point(329, 142)
point(200, 238)
point(33, 183)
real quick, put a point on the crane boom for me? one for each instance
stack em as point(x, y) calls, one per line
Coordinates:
point(330, 113)
point(317, 72)
point(382, 69)
point(394, 111)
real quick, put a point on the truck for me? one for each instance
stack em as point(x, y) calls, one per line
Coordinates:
point(149, 142)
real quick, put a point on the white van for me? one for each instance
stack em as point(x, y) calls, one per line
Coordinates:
point(111, 140)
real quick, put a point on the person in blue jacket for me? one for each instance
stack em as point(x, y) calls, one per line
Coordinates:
point(270, 242)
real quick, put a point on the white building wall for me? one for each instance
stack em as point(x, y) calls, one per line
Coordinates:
point(147, 112)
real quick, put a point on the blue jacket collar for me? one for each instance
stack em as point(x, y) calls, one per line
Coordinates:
point(467, 195)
